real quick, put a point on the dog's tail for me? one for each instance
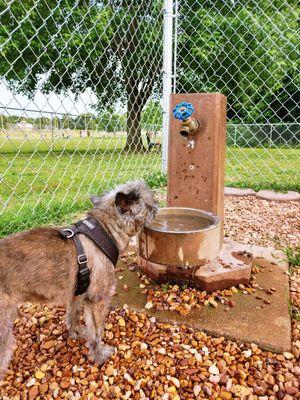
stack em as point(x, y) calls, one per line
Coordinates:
point(8, 312)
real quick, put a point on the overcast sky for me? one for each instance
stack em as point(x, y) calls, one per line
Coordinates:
point(51, 103)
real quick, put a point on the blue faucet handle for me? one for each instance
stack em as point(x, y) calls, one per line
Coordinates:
point(183, 110)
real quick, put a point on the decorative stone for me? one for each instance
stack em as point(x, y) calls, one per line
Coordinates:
point(231, 191)
point(278, 196)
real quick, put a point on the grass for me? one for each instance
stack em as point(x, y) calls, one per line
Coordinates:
point(293, 256)
point(38, 186)
point(75, 144)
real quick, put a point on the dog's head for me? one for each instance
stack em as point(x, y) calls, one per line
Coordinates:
point(132, 204)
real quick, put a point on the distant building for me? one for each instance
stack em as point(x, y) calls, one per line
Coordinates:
point(24, 126)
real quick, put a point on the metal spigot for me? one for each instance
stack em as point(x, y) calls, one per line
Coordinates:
point(183, 112)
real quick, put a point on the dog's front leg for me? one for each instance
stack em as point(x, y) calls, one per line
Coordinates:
point(95, 314)
point(73, 318)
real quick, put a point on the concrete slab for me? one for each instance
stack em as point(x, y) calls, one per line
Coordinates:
point(277, 196)
point(231, 191)
point(269, 327)
point(231, 268)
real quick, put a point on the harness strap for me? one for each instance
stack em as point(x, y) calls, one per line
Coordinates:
point(91, 228)
point(83, 275)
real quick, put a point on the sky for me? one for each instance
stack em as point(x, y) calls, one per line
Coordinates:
point(64, 104)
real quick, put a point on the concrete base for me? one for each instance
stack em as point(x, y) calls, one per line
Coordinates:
point(251, 320)
point(232, 267)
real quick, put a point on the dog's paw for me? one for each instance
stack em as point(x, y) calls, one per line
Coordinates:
point(101, 354)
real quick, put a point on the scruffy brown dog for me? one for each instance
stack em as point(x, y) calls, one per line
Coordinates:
point(40, 266)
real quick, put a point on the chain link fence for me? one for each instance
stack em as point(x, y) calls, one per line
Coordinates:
point(79, 103)
point(81, 95)
point(249, 51)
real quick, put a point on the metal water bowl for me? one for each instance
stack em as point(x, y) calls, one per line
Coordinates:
point(179, 245)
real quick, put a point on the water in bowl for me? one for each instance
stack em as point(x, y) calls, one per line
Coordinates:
point(179, 222)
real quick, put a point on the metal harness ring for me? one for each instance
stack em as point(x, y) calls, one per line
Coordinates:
point(71, 233)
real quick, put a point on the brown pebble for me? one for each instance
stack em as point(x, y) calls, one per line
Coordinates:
point(33, 393)
point(48, 345)
point(43, 388)
point(225, 395)
point(64, 384)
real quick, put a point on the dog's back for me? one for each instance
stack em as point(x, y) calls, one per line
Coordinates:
point(33, 260)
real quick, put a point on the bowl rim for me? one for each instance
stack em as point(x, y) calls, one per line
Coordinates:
point(209, 215)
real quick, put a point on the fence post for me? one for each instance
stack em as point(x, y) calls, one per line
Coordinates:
point(167, 76)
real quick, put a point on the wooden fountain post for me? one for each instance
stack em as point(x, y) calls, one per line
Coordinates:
point(196, 172)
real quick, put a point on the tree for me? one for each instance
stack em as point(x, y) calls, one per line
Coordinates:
point(42, 123)
point(111, 122)
point(248, 50)
point(152, 115)
point(112, 48)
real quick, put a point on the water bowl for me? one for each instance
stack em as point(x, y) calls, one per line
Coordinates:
point(179, 239)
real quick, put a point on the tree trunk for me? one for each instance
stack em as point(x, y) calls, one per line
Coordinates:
point(134, 143)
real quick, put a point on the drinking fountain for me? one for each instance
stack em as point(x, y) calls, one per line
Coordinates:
point(185, 243)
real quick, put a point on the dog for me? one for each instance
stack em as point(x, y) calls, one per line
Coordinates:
point(39, 265)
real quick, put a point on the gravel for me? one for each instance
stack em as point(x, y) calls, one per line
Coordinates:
point(264, 223)
point(153, 360)
point(162, 361)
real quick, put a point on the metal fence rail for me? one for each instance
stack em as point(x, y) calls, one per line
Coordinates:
point(84, 89)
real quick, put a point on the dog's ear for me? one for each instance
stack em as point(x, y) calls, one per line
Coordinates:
point(124, 202)
point(96, 200)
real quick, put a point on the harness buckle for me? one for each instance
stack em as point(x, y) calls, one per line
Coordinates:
point(71, 233)
point(82, 258)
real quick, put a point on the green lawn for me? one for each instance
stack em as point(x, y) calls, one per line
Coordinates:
point(41, 187)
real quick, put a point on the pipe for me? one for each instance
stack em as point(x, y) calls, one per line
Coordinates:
point(167, 77)
point(176, 16)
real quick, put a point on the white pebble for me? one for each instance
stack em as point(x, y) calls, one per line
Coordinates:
point(175, 382)
point(247, 353)
point(214, 370)
point(149, 305)
point(214, 379)
point(31, 382)
point(197, 390)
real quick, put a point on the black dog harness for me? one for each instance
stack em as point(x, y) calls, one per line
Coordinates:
point(90, 227)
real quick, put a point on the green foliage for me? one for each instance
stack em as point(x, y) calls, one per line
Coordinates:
point(111, 122)
point(112, 48)
point(106, 121)
point(152, 115)
point(156, 179)
point(293, 256)
point(246, 50)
